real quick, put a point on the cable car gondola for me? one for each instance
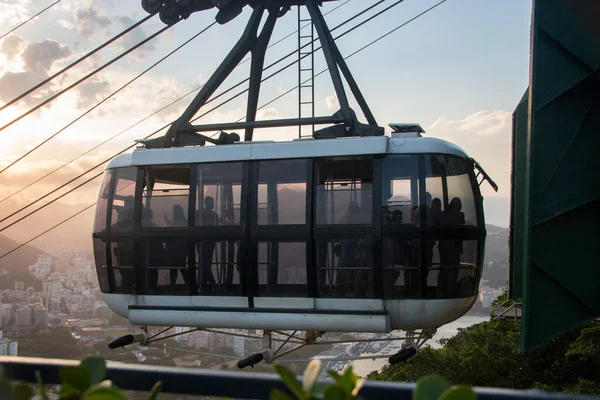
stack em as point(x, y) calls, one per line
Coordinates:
point(348, 231)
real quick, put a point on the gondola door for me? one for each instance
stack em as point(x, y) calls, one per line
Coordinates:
point(279, 232)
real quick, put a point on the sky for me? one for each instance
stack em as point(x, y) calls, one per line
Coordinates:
point(459, 71)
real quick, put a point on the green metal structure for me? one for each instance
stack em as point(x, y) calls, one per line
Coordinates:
point(555, 215)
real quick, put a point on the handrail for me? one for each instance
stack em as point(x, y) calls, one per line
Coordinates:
point(207, 382)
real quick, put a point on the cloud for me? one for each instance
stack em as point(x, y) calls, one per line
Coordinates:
point(12, 46)
point(332, 102)
point(267, 114)
point(88, 21)
point(91, 92)
point(485, 136)
point(133, 38)
point(35, 60)
point(39, 56)
point(12, 14)
point(13, 84)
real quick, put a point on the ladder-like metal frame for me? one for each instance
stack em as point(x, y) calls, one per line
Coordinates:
point(343, 123)
point(306, 73)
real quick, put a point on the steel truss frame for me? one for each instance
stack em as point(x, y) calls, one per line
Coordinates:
point(345, 122)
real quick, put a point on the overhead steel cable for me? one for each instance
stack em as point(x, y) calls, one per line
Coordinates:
point(46, 231)
point(180, 98)
point(306, 55)
point(345, 58)
point(264, 105)
point(108, 97)
point(102, 143)
point(74, 63)
point(157, 131)
point(29, 19)
point(51, 98)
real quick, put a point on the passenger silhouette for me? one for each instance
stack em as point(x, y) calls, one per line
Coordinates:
point(153, 253)
point(176, 248)
point(417, 210)
point(123, 252)
point(207, 217)
point(450, 249)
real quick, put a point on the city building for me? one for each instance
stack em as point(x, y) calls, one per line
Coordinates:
point(23, 317)
point(40, 316)
point(8, 347)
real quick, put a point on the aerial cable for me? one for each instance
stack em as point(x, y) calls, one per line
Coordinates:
point(156, 112)
point(74, 63)
point(51, 201)
point(306, 55)
point(53, 227)
point(157, 131)
point(107, 98)
point(104, 142)
point(345, 58)
point(46, 231)
point(87, 76)
point(29, 19)
point(264, 105)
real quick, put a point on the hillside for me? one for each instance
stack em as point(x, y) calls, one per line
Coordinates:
point(495, 270)
point(16, 264)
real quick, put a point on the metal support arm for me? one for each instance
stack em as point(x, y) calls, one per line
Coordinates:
point(256, 70)
point(239, 51)
point(345, 123)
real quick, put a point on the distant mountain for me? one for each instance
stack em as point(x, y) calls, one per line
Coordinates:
point(17, 263)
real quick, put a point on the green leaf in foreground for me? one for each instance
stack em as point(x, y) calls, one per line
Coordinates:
point(77, 377)
point(461, 392)
point(96, 366)
point(430, 387)
point(277, 394)
point(290, 380)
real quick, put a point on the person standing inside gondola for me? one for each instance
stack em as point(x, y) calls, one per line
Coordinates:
point(207, 217)
point(450, 249)
point(176, 248)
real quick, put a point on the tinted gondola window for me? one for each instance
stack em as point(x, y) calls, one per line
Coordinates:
point(282, 192)
point(219, 194)
point(122, 262)
point(400, 190)
point(401, 267)
point(164, 261)
point(454, 268)
point(345, 267)
point(121, 219)
point(217, 267)
point(449, 191)
point(102, 203)
point(282, 269)
point(166, 196)
point(345, 191)
point(100, 260)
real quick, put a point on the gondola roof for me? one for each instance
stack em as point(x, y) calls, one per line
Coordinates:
point(297, 148)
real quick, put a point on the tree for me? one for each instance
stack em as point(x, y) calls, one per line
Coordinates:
point(488, 354)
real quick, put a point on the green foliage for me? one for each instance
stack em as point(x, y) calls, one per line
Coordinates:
point(347, 385)
point(488, 354)
point(503, 300)
point(83, 382)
